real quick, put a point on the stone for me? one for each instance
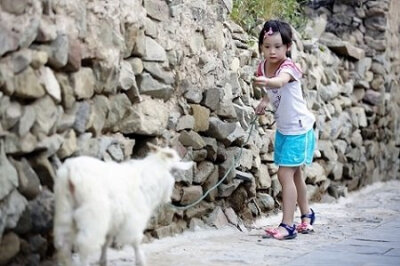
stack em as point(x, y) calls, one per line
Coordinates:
point(27, 120)
point(157, 10)
point(219, 129)
point(191, 194)
point(29, 183)
point(74, 56)
point(126, 76)
point(20, 145)
point(191, 138)
point(144, 119)
point(8, 40)
point(8, 174)
point(153, 51)
point(210, 182)
point(20, 60)
point(41, 210)
point(263, 179)
point(327, 150)
point(58, 52)
point(265, 201)
point(47, 31)
point(11, 209)
point(83, 83)
point(81, 116)
point(159, 73)
point(231, 216)
point(49, 145)
point(201, 117)
point(185, 122)
point(217, 218)
point(341, 47)
point(226, 190)
point(150, 86)
point(315, 173)
point(193, 95)
point(137, 65)
point(50, 83)
point(9, 247)
point(118, 105)
point(203, 171)
point(27, 85)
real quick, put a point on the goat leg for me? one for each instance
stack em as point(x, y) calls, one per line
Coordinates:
point(139, 256)
point(103, 256)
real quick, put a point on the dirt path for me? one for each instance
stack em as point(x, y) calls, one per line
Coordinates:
point(349, 217)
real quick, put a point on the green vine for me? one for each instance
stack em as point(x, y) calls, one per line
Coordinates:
point(250, 13)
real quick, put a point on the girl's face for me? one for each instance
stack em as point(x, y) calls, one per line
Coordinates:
point(273, 49)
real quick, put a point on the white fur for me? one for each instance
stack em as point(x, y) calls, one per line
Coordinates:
point(97, 202)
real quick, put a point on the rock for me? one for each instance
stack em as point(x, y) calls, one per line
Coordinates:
point(185, 122)
point(191, 194)
point(29, 183)
point(144, 119)
point(231, 216)
point(210, 182)
point(157, 10)
point(27, 85)
point(50, 83)
point(11, 209)
point(83, 83)
point(203, 171)
point(342, 47)
point(8, 174)
point(8, 40)
point(191, 138)
point(41, 210)
point(9, 247)
point(217, 218)
point(150, 86)
point(201, 117)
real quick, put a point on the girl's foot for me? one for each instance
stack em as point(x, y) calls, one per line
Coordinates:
point(307, 220)
point(283, 232)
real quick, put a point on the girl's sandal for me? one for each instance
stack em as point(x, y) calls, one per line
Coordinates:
point(306, 227)
point(275, 233)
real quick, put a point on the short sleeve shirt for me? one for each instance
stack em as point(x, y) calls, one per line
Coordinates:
point(291, 113)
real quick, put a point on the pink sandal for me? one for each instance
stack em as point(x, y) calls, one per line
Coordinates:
point(306, 227)
point(275, 233)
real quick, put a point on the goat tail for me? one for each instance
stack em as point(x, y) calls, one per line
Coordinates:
point(64, 212)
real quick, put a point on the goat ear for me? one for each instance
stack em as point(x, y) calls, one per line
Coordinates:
point(152, 147)
point(182, 165)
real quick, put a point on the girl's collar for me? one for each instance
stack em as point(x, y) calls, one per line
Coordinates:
point(276, 70)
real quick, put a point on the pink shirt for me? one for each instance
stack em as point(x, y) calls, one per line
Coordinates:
point(291, 113)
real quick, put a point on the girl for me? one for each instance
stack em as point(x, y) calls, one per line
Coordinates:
point(279, 78)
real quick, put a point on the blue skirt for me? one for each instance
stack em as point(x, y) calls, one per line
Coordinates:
point(294, 150)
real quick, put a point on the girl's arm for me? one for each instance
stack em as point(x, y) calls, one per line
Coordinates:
point(276, 82)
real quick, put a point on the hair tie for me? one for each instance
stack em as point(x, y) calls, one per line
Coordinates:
point(269, 32)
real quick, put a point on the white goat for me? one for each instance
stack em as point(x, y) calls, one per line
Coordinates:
point(98, 202)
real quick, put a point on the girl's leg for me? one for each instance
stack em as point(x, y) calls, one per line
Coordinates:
point(289, 195)
point(301, 193)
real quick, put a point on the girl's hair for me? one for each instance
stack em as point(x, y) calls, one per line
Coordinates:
point(272, 26)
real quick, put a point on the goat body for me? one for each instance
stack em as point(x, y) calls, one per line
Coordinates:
point(97, 202)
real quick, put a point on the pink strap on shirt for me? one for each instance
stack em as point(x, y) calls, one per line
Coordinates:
point(260, 69)
point(291, 65)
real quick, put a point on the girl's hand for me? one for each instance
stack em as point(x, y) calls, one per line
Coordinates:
point(260, 109)
point(260, 81)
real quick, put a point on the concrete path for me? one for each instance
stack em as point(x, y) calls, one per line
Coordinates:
point(362, 229)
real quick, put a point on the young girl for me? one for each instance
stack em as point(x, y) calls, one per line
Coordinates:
point(279, 78)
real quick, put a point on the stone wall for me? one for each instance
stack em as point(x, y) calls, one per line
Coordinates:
point(102, 78)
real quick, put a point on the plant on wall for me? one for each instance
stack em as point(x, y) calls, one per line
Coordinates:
point(250, 13)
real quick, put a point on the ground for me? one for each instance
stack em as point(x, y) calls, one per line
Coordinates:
point(361, 229)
